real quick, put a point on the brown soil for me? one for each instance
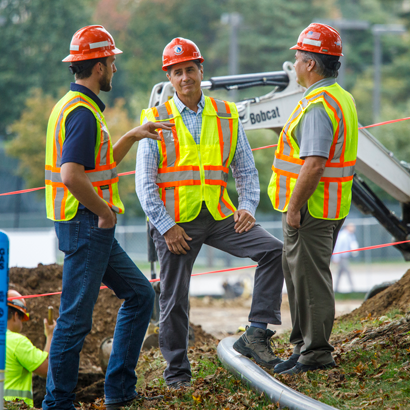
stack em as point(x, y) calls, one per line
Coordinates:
point(396, 296)
point(47, 279)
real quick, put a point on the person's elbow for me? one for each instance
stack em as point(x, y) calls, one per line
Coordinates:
point(316, 165)
point(42, 369)
point(70, 172)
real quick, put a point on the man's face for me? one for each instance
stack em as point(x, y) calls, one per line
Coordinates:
point(186, 78)
point(109, 70)
point(300, 68)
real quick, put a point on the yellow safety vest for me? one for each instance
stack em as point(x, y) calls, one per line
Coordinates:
point(61, 204)
point(333, 195)
point(189, 173)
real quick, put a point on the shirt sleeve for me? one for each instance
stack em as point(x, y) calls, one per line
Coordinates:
point(245, 173)
point(145, 185)
point(28, 355)
point(316, 133)
point(80, 138)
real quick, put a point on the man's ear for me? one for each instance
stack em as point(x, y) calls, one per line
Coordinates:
point(169, 77)
point(312, 64)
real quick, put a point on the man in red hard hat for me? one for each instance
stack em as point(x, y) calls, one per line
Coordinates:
point(312, 185)
point(82, 198)
point(22, 358)
point(181, 185)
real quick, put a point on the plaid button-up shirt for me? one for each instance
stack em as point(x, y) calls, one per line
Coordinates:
point(242, 166)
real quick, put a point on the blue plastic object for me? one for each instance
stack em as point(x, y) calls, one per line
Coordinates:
point(4, 286)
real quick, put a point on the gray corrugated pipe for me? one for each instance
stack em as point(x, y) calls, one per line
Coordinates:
point(259, 380)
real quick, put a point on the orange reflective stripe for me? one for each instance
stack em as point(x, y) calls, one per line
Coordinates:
point(216, 168)
point(228, 110)
point(289, 159)
point(178, 183)
point(287, 191)
point(216, 182)
point(165, 170)
point(227, 204)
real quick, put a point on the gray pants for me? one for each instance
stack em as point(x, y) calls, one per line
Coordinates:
point(175, 274)
point(306, 259)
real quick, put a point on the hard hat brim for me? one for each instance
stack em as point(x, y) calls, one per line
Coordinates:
point(296, 47)
point(182, 60)
point(84, 57)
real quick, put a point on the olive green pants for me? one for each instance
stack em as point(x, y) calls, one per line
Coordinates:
point(306, 259)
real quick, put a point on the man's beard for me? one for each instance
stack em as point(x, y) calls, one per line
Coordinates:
point(105, 84)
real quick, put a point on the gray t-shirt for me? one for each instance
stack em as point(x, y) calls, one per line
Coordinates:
point(315, 131)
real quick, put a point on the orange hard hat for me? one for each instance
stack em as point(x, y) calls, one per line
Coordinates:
point(321, 39)
point(18, 304)
point(180, 50)
point(91, 42)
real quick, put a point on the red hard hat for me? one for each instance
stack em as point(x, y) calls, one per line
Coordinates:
point(320, 38)
point(91, 42)
point(180, 50)
point(18, 304)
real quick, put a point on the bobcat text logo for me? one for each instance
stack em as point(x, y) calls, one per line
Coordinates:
point(265, 116)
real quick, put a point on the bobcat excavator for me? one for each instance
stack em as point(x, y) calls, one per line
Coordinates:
point(271, 111)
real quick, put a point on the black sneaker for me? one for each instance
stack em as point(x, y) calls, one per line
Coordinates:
point(255, 342)
point(138, 399)
point(179, 385)
point(302, 368)
point(287, 364)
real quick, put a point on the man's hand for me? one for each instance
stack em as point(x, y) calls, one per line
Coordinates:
point(148, 130)
point(176, 238)
point(244, 221)
point(293, 219)
point(49, 329)
point(108, 220)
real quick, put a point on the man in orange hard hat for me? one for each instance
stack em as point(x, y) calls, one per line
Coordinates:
point(82, 198)
point(312, 185)
point(22, 358)
point(181, 185)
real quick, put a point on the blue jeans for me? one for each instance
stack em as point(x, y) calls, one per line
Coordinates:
point(92, 256)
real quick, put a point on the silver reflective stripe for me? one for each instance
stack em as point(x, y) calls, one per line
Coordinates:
point(170, 202)
point(286, 146)
point(115, 209)
point(106, 175)
point(286, 166)
point(104, 144)
point(99, 44)
point(163, 113)
point(338, 172)
point(18, 393)
point(74, 47)
point(216, 175)
point(282, 191)
point(178, 176)
point(106, 195)
point(53, 176)
point(225, 210)
point(221, 109)
point(170, 147)
point(332, 207)
point(58, 202)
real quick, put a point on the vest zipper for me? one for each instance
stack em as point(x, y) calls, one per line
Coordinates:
point(202, 173)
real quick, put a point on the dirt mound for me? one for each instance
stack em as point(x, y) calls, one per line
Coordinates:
point(396, 296)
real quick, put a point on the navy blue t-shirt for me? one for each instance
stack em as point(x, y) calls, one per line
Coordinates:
point(81, 133)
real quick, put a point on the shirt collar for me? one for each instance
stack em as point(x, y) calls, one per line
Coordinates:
point(326, 82)
point(181, 106)
point(84, 90)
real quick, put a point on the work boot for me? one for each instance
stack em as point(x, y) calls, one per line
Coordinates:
point(255, 342)
point(128, 403)
point(302, 368)
point(179, 385)
point(287, 364)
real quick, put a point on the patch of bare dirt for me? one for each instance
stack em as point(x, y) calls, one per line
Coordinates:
point(396, 296)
